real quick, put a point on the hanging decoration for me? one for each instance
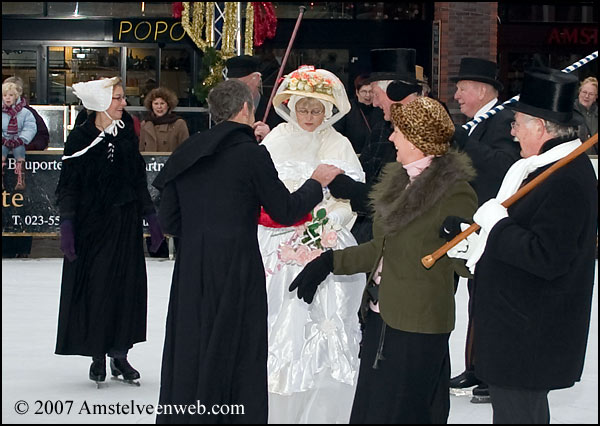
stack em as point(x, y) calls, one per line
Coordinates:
point(176, 9)
point(265, 22)
point(214, 28)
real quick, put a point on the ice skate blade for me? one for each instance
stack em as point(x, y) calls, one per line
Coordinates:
point(461, 392)
point(481, 400)
point(100, 385)
point(125, 381)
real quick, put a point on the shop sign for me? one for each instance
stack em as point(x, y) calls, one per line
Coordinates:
point(573, 36)
point(34, 210)
point(147, 31)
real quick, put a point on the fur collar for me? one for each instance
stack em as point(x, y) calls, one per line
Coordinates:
point(396, 205)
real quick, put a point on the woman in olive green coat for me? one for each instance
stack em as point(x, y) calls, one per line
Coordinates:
point(409, 310)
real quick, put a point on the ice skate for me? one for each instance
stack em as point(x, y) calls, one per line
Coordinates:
point(121, 367)
point(98, 370)
point(481, 395)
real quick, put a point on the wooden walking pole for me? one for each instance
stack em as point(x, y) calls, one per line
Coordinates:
point(283, 62)
point(429, 260)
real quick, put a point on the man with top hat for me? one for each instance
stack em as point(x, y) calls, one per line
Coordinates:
point(246, 68)
point(534, 261)
point(492, 150)
point(392, 80)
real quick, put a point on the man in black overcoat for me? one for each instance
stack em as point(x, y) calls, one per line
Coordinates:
point(212, 189)
point(492, 150)
point(533, 284)
point(393, 79)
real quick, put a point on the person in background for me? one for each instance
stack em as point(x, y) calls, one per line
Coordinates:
point(246, 69)
point(102, 196)
point(212, 189)
point(358, 124)
point(21, 246)
point(408, 309)
point(393, 80)
point(18, 130)
point(42, 137)
point(161, 131)
point(492, 150)
point(586, 105)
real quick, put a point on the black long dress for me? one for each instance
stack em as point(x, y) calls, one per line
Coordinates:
point(215, 349)
point(103, 291)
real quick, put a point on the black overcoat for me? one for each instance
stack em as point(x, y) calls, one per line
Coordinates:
point(104, 192)
point(358, 124)
point(212, 189)
point(492, 151)
point(533, 285)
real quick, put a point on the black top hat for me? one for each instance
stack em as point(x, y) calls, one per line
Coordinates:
point(241, 66)
point(393, 64)
point(549, 94)
point(476, 69)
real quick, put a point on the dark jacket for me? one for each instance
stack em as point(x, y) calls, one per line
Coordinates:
point(212, 189)
point(492, 150)
point(533, 285)
point(407, 222)
point(589, 125)
point(42, 137)
point(358, 123)
point(105, 193)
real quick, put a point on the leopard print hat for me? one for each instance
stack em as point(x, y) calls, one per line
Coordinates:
point(425, 123)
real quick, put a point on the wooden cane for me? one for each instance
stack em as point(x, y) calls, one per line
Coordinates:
point(283, 62)
point(429, 260)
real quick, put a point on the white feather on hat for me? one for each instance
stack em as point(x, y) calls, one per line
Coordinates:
point(96, 95)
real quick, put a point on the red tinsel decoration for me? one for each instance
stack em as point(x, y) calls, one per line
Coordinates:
point(176, 9)
point(265, 22)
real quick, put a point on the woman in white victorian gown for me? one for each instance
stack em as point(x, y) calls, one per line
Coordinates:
point(313, 349)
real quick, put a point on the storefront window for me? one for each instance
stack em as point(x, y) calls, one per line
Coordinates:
point(141, 74)
point(351, 10)
point(333, 60)
point(21, 63)
point(68, 65)
point(176, 73)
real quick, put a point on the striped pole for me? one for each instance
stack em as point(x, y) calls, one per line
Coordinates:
point(499, 108)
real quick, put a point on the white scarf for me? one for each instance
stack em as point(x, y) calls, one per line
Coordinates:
point(512, 182)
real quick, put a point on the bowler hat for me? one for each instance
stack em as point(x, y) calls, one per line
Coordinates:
point(549, 94)
point(476, 69)
point(241, 66)
point(393, 64)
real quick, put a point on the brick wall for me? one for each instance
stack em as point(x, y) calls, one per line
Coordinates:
point(467, 29)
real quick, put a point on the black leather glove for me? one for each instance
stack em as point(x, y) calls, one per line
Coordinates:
point(343, 186)
point(313, 274)
point(451, 227)
point(460, 137)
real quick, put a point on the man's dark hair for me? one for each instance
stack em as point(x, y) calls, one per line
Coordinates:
point(227, 98)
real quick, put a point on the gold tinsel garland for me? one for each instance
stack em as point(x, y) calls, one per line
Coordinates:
point(201, 27)
point(249, 30)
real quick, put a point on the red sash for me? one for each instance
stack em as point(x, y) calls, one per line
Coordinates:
point(265, 220)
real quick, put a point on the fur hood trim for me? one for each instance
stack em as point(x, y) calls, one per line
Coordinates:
point(396, 205)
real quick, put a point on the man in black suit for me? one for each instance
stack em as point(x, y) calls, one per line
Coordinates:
point(492, 150)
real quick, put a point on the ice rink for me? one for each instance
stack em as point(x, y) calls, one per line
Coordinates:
point(35, 382)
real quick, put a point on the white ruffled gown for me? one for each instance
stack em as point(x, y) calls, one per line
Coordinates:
point(313, 349)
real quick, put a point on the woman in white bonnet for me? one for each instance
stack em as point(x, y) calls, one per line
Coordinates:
point(102, 197)
point(313, 349)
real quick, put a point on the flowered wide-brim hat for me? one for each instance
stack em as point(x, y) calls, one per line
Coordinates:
point(309, 82)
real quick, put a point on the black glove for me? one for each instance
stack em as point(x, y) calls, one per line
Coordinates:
point(451, 227)
point(313, 274)
point(460, 137)
point(343, 186)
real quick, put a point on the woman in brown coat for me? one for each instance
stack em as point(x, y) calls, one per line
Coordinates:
point(162, 131)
